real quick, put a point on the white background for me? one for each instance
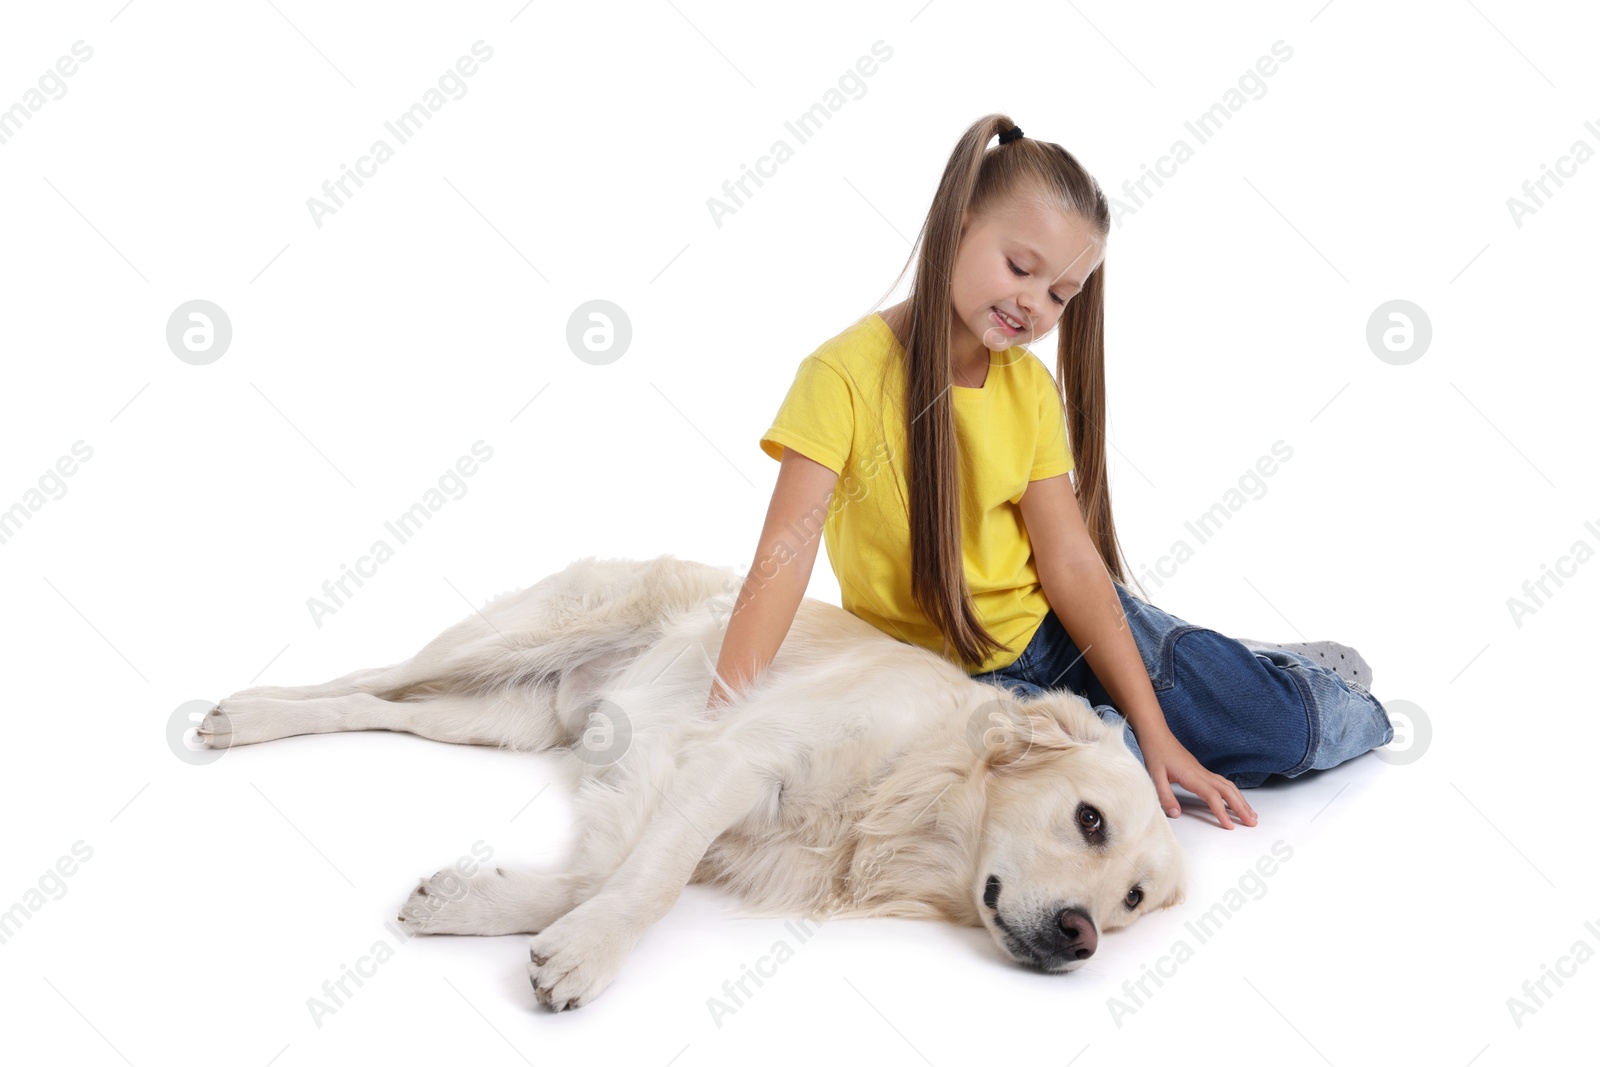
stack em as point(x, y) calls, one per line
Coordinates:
point(430, 312)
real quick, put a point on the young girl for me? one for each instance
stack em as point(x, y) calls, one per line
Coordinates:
point(938, 449)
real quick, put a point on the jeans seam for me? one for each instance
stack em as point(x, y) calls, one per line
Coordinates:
point(1313, 723)
point(1168, 651)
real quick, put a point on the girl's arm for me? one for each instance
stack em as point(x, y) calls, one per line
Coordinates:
point(1080, 592)
point(777, 580)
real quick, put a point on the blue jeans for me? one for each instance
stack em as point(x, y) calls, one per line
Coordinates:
point(1244, 715)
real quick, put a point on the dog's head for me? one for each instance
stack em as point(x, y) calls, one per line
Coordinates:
point(1074, 840)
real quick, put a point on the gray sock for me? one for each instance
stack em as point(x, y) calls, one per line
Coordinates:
point(1344, 660)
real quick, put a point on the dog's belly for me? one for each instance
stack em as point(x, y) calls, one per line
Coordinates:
point(799, 850)
point(791, 855)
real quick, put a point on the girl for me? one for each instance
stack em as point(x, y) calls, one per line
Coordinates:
point(937, 448)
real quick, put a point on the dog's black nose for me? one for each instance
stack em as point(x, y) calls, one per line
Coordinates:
point(1077, 938)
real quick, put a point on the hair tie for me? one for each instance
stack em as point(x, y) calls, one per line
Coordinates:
point(1010, 135)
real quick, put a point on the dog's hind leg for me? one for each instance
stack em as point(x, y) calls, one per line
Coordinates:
point(367, 680)
point(521, 718)
point(439, 666)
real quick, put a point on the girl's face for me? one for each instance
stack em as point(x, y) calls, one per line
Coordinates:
point(1024, 260)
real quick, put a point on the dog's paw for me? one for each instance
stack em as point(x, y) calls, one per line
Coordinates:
point(574, 961)
point(438, 905)
point(249, 720)
point(241, 721)
point(215, 729)
point(489, 904)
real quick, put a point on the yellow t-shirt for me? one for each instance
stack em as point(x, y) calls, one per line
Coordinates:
point(1011, 431)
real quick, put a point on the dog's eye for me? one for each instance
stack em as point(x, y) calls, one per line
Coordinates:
point(1135, 895)
point(1089, 819)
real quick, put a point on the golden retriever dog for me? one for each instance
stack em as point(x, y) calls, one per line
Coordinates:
point(858, 776)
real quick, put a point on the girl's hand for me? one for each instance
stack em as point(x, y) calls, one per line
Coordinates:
point(1168, 761)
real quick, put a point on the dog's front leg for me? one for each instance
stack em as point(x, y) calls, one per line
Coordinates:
point(576, 957)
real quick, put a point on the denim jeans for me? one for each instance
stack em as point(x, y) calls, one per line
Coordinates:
point(1243, 714)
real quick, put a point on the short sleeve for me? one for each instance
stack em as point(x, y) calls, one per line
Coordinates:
point(816, 419)
point(1052, 455)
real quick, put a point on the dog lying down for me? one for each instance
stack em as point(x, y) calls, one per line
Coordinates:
point(859, 776)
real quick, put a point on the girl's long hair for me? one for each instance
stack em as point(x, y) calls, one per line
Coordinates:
point(980, 178)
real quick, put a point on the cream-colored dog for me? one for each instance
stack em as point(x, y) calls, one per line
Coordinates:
point(859, 776)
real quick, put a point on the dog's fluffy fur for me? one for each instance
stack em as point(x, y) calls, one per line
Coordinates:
point(859, 775)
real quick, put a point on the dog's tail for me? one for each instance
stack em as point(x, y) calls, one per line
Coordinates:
point(568, 633)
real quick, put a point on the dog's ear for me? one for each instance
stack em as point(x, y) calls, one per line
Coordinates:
point(1177, 867)
point(1013, 737)
point(1073, 714)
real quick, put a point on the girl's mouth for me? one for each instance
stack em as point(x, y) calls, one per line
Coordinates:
point(998, 320)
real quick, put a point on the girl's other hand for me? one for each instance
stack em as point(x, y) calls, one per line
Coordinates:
point(1168, 761)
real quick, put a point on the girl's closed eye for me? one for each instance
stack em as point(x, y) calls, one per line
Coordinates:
point(1019, 272)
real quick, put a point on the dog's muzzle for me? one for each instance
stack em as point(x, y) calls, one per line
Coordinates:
point(1055, 941)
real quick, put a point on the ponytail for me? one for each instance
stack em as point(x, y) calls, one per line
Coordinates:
point(979, 178)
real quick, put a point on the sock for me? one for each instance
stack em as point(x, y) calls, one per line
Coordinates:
point(1344, 660)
